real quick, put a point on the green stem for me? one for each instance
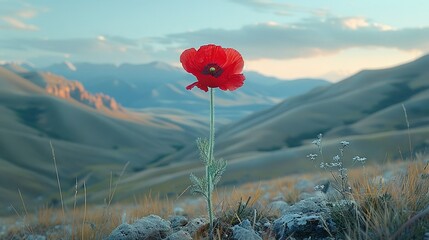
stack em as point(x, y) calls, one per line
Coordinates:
point(211, 140)
point(209, 165)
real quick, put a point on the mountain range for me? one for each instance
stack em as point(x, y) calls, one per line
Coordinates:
point(159, 85)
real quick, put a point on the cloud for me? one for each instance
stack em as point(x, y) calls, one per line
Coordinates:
point(27, 13)
point(101, 38)
point(101, 48)
point(14, 23)
point(308, 38)
point(15, 16)
point(355, 23)
point(280, 8)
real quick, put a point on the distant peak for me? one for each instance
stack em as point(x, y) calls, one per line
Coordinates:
point(161, 65)
point(70, 66)
point(17, 67)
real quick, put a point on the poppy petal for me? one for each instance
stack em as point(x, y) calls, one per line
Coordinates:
point(234, 81)
point(234, 63)
point(203, 87)
point(189, 87)
point(187, 58)
point(209, 54)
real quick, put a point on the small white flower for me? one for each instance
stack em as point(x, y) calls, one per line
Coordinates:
point(336, 158)
point(359, 159)
point(336, 164)
point(312, 156)
point(344, 143)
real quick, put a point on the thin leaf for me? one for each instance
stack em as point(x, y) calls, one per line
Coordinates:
point(199, 185)
point(203, 147)
point(218, 168)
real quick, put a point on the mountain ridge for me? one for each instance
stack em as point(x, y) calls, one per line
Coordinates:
point(159, 85)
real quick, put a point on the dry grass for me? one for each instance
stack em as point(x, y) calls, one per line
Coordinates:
point(382, 207)
point(379, 207)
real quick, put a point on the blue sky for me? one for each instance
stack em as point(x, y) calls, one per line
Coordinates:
point(289, 39)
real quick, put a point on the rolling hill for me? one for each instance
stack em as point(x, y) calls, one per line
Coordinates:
point(90, 139)
point(365, 109)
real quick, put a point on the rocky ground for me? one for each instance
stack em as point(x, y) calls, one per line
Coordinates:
point(308, 218)
point(311, 212)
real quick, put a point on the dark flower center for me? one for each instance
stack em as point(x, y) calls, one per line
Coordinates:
point(212, 69)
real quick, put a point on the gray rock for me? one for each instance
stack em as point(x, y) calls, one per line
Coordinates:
point(306, 218)
point(124, 231)
point(278, 206)
point(177, 222)
point(180, 235)
point(303, 226)
point(148, 228)
point(315, 194)
point(195, 224)
point(35, 237)
point(309, 205)
point(244, 231)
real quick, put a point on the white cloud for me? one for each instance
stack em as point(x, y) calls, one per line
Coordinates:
point(14, 23)
point(17, 14)
point(361, 22)
point(18, 18)
point(308, 38)
point(115, 50)
point(384, 27)
point(27, 13)
point(355, 23)
point(101, 38)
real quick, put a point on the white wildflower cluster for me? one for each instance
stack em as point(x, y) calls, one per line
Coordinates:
point(319, 187)
point(359, 159)
point(318, 141)
point(336, 158)
point(341, 175)
point(312, 156)
point(336, 163)
point(344, 143)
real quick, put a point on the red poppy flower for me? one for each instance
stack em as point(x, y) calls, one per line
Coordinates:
point(214, 66)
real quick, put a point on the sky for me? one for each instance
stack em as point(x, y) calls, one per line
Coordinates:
point(329, 39)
